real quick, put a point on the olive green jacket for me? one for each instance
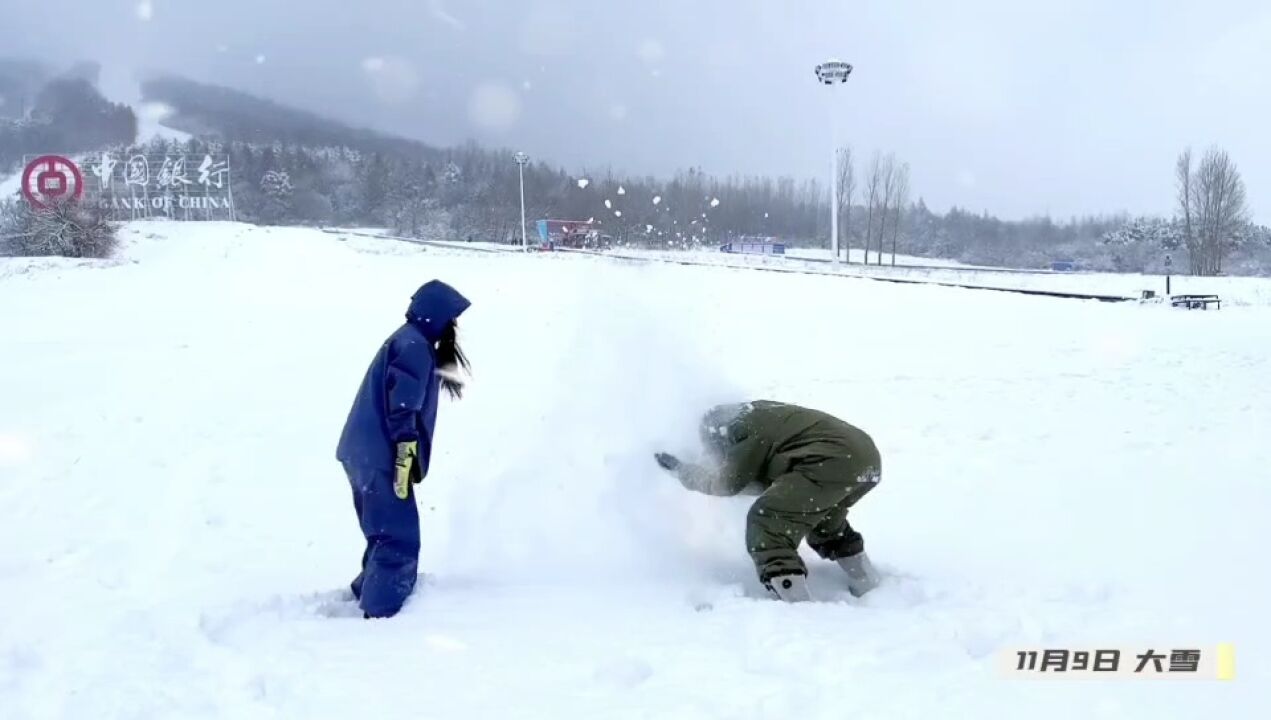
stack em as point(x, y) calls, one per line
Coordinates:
point(757, 442)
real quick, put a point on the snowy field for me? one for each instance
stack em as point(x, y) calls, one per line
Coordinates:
point(1233, 291)
point(176, 536)
point(858, 256)
point(1239, 291)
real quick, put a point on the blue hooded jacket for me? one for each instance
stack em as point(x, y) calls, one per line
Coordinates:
point(397, 401)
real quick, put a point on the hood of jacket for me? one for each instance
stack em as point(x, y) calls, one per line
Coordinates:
point(721, 428)
point(433, 306)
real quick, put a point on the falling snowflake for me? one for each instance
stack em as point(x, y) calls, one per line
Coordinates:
point(765, 215)
point(622, 190)
point(617, 213)
point(260, 59)
point(583, 183)
point(657, 199)
point(714, 202)
point(649, 229)
point(591, 219)
point(608, 204)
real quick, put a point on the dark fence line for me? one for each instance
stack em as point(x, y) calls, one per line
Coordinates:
point(902, 281)
point(761, 268)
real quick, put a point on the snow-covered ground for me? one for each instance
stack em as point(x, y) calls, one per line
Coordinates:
point(384, 233)
point(858, 256)
point(175, 534)
point(1239, 291)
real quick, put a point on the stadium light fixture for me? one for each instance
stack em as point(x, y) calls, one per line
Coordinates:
point(833, 73)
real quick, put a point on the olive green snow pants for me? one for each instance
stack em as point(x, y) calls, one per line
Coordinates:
point(809, 502)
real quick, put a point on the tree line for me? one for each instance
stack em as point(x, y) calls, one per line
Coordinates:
point(291, 167)
point(1212, 226)
point(472, 193)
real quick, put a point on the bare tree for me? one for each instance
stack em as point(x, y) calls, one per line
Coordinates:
point(847, 191)
point(1220, 200)
point(884, 206)
point(872, 193)
point(1186, 205)
point(901, 200)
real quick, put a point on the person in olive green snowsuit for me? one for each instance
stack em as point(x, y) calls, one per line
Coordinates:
point(808, 468)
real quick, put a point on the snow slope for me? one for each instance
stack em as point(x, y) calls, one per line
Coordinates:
point(150, 119)
point(175, 534)
point(149, 127)
point(122, 85)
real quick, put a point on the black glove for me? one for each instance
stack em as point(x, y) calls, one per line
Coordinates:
point(667, 461)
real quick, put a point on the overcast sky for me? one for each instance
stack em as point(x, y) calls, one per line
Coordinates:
point(1015, 107)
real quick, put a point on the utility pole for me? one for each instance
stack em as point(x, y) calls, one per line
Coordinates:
point(521, 158)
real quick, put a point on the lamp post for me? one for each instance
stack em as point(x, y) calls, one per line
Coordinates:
point(521, 159)
point(832, 73)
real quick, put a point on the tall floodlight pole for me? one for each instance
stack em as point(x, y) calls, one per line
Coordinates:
point(521, 158)
point(832, 73)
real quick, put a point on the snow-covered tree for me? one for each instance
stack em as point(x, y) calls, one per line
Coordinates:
point(66, 228)
point(275, 187)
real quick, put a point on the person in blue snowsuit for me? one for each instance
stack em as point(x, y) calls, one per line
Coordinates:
point(387, 441)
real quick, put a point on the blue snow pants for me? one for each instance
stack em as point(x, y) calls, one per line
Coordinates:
point(390, 562)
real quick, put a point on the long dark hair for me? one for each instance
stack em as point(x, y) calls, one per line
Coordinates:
point(450, 359)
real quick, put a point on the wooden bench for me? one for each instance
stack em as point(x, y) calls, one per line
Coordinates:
point(1195, 302)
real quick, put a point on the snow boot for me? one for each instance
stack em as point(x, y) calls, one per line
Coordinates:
point(861, 575)
point(789, 588)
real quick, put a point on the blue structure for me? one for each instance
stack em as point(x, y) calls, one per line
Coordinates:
point(567, 233)
point(1065, 266)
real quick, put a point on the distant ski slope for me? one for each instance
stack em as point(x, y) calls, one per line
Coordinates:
point(150, 126)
